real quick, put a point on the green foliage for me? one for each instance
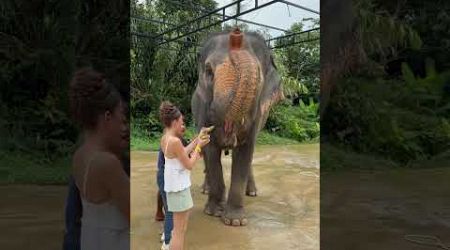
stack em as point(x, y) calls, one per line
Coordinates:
point(37, 55)
point(267, 138)
point(399, 118)
point(337, 158)
point(142, 139)
point(299, 64)
point(299, 123)
point(167, 72)
point(381, 34)
point(403, 121)
point(42, 43)
point(20, 168)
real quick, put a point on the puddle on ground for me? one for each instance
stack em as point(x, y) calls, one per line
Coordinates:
point(284, 215)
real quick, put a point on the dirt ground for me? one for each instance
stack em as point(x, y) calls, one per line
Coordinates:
point(284, 215)
point(32, 217)
point(386, 204)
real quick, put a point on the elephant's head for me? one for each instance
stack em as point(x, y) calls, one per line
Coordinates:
point(237, 85)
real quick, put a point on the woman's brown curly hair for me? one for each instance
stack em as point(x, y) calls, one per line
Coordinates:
point(168, 113)
point(91, 95)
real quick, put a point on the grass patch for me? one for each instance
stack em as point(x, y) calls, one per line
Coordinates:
point(333, 158)
point(337, 158)
point(266, 138)
point(21, 168)
point(144, 143)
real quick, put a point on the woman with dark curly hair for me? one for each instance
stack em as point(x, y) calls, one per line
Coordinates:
point(96, 106)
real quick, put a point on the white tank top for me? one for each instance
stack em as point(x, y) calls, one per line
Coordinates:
point(176, 177)
point(103, 227)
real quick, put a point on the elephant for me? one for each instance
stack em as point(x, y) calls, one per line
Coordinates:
point(237, 86)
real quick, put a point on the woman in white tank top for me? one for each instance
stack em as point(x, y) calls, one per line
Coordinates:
point(99, 175)
point(178, 165)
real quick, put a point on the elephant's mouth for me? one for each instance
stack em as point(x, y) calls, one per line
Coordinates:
point(228, 128)
point(232, 134)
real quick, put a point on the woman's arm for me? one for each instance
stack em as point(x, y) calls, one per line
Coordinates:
point(189, 148)
point(182, 155)
point(118, 183)
point(204, 132)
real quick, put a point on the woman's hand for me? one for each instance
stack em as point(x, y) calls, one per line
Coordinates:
point(204, 137)
point(203, 140)
point(205, 131)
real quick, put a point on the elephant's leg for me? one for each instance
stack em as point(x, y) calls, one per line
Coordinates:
point(234, 213)
point(214, 177)
point(251, 186)
point(205, 185)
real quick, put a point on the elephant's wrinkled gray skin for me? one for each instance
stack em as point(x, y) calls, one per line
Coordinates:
point(209, 111)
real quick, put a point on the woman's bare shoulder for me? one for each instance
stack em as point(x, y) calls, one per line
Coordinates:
point(169, 140)
point(174, 139)
point(174, 143)
point(107, 159)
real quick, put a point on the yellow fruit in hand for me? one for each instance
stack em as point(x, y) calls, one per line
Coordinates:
point(206, 131)
point(209, 129)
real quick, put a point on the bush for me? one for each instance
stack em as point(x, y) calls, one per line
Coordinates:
point(402, 119)
point(300, 123)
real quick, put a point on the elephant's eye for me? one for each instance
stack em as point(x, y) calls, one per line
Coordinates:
point(209, 71)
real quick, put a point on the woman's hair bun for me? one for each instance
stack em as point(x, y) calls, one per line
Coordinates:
point(90, 95)
point(168, 113)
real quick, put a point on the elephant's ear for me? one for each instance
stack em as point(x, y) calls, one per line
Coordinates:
point(271, 94)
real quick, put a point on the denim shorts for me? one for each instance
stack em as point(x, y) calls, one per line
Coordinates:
point(179, 201)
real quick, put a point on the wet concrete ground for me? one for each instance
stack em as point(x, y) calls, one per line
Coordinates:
point(32, 217)
point(284, 215)
point(386, 204)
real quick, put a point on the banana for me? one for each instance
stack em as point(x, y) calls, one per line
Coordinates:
point(209, 129)
point(204, 134)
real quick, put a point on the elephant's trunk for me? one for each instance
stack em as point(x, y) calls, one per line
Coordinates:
point(236, 85)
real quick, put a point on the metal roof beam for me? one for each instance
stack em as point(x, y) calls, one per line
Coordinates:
point(224, 19)
point(268, 41)
point(204, 10)
point(152, 20)
point(300, 7)
point(291, 39)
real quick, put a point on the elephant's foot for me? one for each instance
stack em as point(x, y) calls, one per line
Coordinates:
point(205, 188)
point(213, 209)
point(251, 193)
point(234, 217)
point(251, 190)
